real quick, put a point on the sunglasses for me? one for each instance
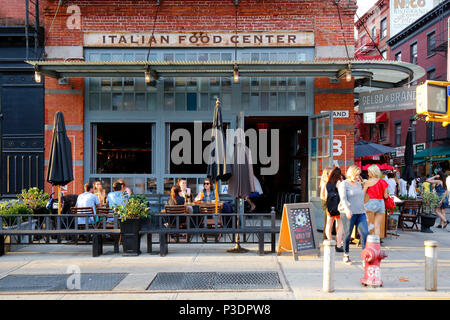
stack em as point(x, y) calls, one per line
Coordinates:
point(206, 183)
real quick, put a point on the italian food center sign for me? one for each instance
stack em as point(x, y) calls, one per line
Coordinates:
point(199, 39)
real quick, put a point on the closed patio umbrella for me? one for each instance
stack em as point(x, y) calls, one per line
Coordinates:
point(408, 172)
point(241, 183)
point(218, 168)
point(365, 148)
point(60, 169)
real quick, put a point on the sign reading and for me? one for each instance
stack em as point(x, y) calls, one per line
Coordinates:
point(298, 230)
point(339, 113)
point(199, 39)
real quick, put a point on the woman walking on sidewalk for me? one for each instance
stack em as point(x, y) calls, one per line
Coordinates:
point(377, 190)
point(332, 208)
point(352, 209)
point(441, 190)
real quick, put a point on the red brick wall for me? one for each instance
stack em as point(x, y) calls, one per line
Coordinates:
point(68, 99)
point(178, 16)
point(253, 15)
point(12, 12)
point(343, 127)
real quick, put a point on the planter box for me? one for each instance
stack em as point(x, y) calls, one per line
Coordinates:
point(131, 240)
point(12, 242)
point(426, 222)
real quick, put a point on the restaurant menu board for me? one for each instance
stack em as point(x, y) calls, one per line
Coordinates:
point(301, 225)
point(298, 230)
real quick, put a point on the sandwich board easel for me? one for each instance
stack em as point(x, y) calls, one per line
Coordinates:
point(298, 232)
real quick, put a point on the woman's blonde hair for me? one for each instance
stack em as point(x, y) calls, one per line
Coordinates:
point(325, 173)
point(353, 171)
point(374, 171)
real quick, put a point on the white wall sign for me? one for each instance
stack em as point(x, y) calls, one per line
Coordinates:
point(200, 39)
point(370, 117)
point(339, 113)
point(404, 12)
point(340, 151)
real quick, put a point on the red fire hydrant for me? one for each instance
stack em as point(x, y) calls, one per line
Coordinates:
point(372, 255)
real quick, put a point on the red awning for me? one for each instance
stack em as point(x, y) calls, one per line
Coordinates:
point(382, 117)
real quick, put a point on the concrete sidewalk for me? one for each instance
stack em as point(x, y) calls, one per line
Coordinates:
point(403, 271)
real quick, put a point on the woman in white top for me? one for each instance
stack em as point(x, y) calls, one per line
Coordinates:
point(392, 183)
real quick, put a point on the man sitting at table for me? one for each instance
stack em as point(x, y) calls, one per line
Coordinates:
point(87, 199)
point(119, 196)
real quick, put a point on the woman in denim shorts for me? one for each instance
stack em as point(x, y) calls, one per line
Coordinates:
point(377, 191)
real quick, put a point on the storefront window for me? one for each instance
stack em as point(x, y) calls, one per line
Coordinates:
point(177, 161)
point(123, 148)
point(273, 94)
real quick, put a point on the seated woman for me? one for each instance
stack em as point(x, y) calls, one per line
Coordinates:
point(207, 194)
point(175, 197)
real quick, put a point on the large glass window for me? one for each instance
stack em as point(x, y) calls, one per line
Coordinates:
point(181, 153)
point(273, 94)
point(413, 53)
point(122, 148)
point(431, 43)
point(431, 74)
point(398, 134)
point(383, 28)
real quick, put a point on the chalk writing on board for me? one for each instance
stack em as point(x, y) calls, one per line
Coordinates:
point(302, 228)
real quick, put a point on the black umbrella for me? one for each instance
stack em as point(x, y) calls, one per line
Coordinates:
point(408, 172)
point(60, 169)
point(218, 168)
point(365, 148)
point(242, 182)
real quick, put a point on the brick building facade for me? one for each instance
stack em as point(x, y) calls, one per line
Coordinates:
point(65, 40)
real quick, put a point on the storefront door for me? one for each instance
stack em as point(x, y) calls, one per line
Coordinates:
point(320, 156)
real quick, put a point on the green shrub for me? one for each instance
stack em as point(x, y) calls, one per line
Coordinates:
point(34, 198)
point(135, 207)
point(430, 202)
point(14, 207)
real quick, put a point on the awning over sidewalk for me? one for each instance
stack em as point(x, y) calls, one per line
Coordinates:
point(440, 153)
point(384, 73)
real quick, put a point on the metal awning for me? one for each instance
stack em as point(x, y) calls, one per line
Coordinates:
point(378, 73)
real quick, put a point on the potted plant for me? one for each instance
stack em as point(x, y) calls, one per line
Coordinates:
point(35, 199)
point(8, 210)
point(430, 200)
point(131, 215)
point(9, 220)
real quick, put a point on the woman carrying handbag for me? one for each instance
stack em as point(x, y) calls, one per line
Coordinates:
point(332, 208)
point(352, 209)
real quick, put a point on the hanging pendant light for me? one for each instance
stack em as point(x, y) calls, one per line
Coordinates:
point(236, 74)
point(37, 76)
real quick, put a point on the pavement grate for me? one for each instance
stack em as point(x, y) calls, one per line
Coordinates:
point(215, 281)
point(61, 282)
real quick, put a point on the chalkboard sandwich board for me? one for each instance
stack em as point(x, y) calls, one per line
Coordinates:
point(298, 230)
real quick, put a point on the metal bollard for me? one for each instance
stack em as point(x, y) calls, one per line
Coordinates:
point(431, 265)
point(328, 265)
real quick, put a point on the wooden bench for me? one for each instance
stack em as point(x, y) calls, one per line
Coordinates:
point(228, 226)
point(65, 225)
